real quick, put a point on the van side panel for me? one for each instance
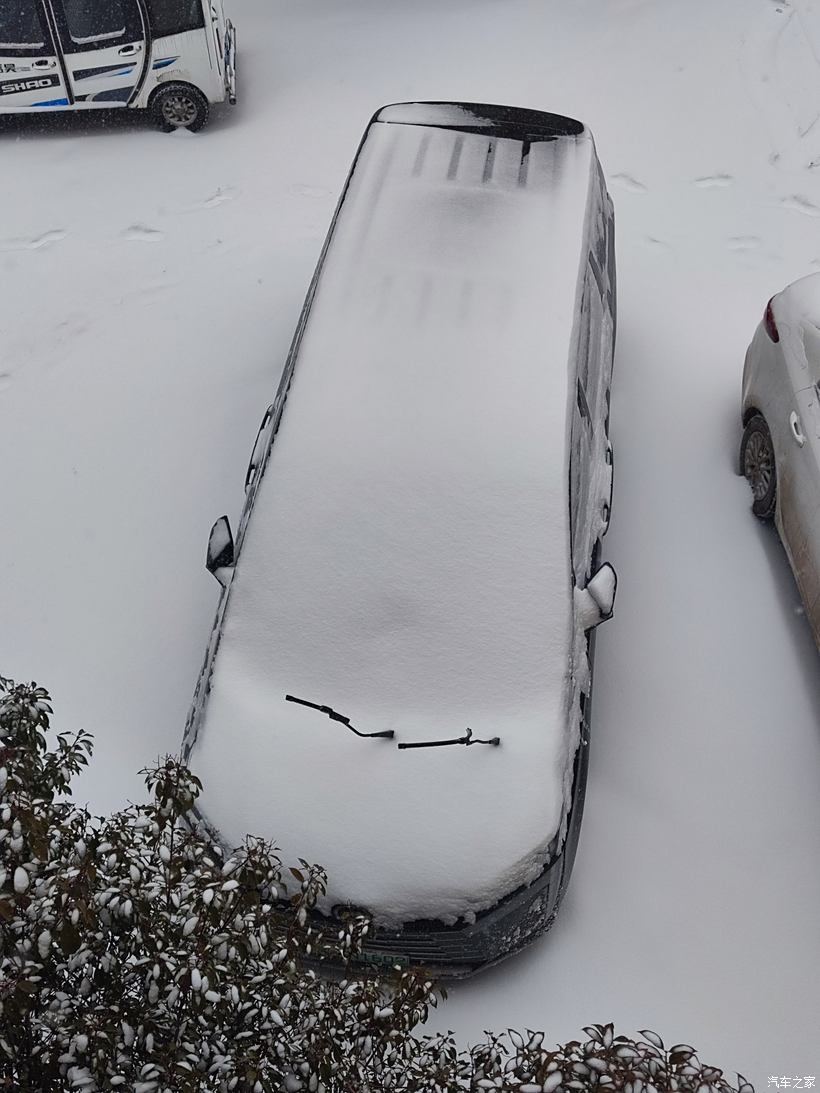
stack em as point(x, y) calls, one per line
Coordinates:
point(189, 57)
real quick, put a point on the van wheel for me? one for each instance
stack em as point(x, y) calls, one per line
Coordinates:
point(179, 106)
point(758, 466)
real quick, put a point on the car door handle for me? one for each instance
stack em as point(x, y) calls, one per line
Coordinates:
point(794, 423)
point(44, 64)
point(129, 51)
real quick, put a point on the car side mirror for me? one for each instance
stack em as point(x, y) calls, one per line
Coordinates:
point(594, 603)
point(220, 558)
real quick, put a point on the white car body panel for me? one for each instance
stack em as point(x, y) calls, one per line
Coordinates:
point(780, 382)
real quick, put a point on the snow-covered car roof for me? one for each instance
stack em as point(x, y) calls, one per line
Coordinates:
point(407, 561)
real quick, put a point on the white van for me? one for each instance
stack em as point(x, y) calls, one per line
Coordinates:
point(397, 684)
point(172, 57)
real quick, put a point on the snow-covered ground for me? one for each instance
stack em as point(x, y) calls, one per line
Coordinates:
point(150, 287)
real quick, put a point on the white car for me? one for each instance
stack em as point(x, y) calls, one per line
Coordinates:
point(780, 449)
point(170, 57)
point(397, 685)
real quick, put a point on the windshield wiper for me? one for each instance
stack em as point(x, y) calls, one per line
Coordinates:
point(466, 739)
point(334, 716)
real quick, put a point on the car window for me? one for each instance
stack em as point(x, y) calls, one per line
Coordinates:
point(811, 346)
point(175, 16)
point(583, 404)
point(575, 496)
point(595, 350)
point(93, 21)
point(583, 334)
point(20, 26)
point(579, 485)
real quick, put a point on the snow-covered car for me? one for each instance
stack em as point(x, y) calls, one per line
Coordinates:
point(780, 446)
point(397, 684)
point(171, 57)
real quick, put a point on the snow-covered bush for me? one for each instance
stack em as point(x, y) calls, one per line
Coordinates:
point(134, 956)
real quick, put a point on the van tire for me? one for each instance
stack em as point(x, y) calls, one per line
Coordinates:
point(758, 466)
point(179, 106)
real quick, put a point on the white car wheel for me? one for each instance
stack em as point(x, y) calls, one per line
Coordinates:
point(758, 466)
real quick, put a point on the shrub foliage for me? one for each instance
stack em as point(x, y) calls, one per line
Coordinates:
point(136, 956)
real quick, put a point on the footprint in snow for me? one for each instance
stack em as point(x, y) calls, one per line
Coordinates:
point(219, 198)
point(744, 242)
point(5, 380)
point(37, 243)
point(627, 182)
point(46, 239)
point(301, 190)
point(138, 233)
point(800, 204)
point(708, 182)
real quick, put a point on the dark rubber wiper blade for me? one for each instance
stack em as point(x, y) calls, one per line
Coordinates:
point(467, 739)
point(335, 716)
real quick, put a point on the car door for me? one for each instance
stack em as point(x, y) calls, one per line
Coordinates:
point(804, 436)
point(30, 70)
point(104, 43)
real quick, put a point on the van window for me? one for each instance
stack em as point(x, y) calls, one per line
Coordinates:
point(596, 347)
point(811, 347)
point(610, 252)
point(583, 404)
point(95, 21)
point(579, 498)
point(583, 336)
point(175, 16)
point(20, 26)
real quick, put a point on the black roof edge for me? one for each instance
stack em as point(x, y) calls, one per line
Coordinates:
point(518, 123)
